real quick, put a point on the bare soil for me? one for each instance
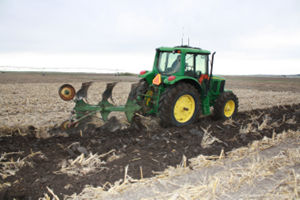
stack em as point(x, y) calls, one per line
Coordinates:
point(37, 77)
point(263, 83)
point(152, 150)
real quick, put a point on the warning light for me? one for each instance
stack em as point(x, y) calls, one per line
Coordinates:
point(171, 78)
point(143, 72)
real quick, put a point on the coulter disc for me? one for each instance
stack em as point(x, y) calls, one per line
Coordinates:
point(66, 92)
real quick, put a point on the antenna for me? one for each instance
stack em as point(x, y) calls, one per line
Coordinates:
point(182, 36)
point(188, 41)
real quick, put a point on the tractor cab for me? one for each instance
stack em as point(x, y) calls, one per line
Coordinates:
point(182, 61)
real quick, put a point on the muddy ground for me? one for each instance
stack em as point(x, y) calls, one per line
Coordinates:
point(146, 151)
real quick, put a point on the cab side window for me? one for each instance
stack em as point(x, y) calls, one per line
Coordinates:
point(189, 64)
point(201, 64)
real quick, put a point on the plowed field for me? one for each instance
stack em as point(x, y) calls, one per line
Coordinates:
point(38, 159)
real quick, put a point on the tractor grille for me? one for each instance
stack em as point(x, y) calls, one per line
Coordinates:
point(218, 86)
point(215, 86)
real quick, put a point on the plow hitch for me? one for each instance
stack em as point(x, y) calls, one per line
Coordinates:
point(83, 109)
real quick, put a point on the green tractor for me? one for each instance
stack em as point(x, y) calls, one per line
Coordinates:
point(179, 88)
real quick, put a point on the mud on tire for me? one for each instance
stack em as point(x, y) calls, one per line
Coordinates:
point(221, 104)
point(168, 100)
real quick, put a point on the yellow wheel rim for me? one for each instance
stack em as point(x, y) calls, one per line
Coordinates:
point(184, 108)
point(149, 95)
point(65, 125)
point(66, 92)
point(229, 108)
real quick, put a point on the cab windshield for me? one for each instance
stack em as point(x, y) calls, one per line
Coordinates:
point(169, 62)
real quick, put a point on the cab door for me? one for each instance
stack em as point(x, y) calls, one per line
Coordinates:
point(201, 67)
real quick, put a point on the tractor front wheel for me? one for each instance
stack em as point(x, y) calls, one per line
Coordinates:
point(179, 105)
point(226, 106)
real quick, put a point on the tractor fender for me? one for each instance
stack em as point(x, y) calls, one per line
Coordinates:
point(148, 76)
point(187, 79)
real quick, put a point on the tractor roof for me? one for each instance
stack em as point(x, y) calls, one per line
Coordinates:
point(185, 49)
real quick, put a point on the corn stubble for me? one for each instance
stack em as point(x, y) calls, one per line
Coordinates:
point(39, 104)
point(232, 176)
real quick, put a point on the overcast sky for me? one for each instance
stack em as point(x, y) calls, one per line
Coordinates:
point(250, 36)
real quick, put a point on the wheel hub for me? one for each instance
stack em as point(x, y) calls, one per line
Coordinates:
point(229, 108)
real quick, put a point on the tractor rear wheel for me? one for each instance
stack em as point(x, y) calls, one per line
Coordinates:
point(226, 106)
point(139, 89)
point(138, 92)
point(179, 105)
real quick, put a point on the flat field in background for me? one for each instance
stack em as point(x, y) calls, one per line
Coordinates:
point(32, 98)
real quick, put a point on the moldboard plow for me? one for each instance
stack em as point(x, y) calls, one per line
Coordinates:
point(83, 109)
